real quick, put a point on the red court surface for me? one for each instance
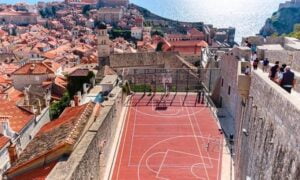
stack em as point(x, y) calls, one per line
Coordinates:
point(179, 141)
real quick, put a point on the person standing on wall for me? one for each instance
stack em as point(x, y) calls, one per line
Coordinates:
point(255, 63)
point(273, 71)
point(287, 82)
point(265, 65)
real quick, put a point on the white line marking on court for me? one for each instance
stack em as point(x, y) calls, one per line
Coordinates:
point(153, 146)
point(196, 139)
point(147, 164)
point(132, 136)
point(174, 135)
point(123, 145)
point(200, 132)
point(182, 152)
point(194, 174)
point(168, 116)
point(162, 124)
point(161, 165)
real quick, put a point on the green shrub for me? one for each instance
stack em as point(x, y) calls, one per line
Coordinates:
point(58, 107)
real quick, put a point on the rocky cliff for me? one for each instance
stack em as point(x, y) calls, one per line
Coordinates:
point(281, 22)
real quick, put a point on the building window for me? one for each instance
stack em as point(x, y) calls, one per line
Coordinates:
point(222, 82)
point(229, 89)
point(221, 102)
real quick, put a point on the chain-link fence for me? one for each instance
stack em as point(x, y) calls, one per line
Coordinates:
point(170, 80)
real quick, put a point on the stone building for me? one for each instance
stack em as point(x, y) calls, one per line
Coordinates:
point(114, 3)
point(33, 74)
point(81, 2)
point(265, 119)
point(53, 141)
point(110, 15)
point(18, 18)
point(103, 45)
point(233, 85)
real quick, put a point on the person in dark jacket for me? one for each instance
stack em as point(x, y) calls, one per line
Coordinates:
point(273, 71)
point(287, 82)
point(265, 65)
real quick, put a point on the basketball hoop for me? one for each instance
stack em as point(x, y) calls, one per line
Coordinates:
point(166, 80)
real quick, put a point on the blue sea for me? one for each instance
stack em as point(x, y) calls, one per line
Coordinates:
point(247, 16)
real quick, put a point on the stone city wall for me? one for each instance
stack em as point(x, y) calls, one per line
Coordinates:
point(89, 158)
point(154, 59)
point(269, 146)
point(291, 58)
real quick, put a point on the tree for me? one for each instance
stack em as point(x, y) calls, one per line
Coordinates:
point(58, 107)
point(159, 46)
point(75, 84)
point(53, 11)
point(159, 33)
point(42, 13)
point(297, 28)
point(86, 9)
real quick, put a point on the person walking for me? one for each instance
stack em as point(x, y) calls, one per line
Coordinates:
point(265, 65)
point(255, 63)
point(281, 71)
point(273, 71)
point(254, 56)
point(247, 70)
point(287, 82)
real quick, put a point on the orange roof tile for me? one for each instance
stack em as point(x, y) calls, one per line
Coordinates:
point(3, 141)
point(18, 118)
point(8, 68)
point(56, 134)
point(69, 114)
point(37, 174)
point(14, 94)
point(195, 32)
point(50, 55)
point(52, 64)
point(189, 43)
point(34, 68)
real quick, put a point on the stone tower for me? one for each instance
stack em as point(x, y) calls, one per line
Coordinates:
point(103, 45)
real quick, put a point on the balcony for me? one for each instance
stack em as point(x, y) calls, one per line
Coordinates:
point(243, 80)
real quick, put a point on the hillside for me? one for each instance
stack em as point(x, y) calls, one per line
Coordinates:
point(281, 22)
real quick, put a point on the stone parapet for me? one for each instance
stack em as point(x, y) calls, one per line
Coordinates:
point(269, 134)
point(89, 157)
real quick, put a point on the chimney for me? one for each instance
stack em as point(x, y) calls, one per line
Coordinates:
point(32, 67)
point(76, 100)
point(72, 103)
point(3, 120)
point(26, 98)
point(12, 152)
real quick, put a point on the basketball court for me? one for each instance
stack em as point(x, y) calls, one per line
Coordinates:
point(169, 136)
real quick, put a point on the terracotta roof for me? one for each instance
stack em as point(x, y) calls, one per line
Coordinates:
point(13, 94)
point(3, 141)
point(52, 64)
point(8, 68)
point(189, 43)
point(109, 71)
point(18, 118)
point(60, 132)
point(79, 72)
point(195, 32)
point(34, 68)
point(37, 174)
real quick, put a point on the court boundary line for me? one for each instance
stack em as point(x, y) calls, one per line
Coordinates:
point(132, 137)
point(189, 117)
point(136, 109)
point(199, 129)
point(219, 143)
point(123, 145)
